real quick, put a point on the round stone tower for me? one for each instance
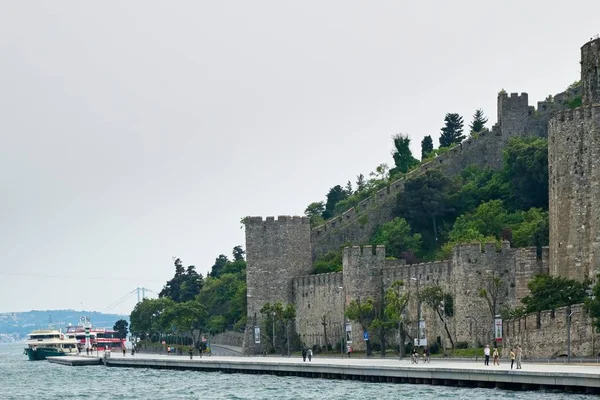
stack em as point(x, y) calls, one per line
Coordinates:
point(574, 174)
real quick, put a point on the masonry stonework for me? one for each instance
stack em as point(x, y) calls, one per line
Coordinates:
point(280, 252)
point(574, 173)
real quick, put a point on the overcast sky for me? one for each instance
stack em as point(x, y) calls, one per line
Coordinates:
point(135, 131)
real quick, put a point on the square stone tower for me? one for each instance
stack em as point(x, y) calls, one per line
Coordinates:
point(574, 173)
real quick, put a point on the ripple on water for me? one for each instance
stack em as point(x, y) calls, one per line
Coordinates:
point(21, 379)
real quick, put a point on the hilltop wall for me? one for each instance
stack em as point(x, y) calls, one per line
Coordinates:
point(544, 335)
point(515, 119)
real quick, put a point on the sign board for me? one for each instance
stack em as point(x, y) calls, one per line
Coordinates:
point(257, 334)
point(498, 329)
point(366, 335)
point(420, 342)
point(348, 332)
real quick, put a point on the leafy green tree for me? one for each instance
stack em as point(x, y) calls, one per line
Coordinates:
point(592, 305)
point(225, 296)
point(186, 317)
point(402, 155)
point(550, 292)
point(361, 183)
point(391, 315)
point(349, 189)
point(238, 253)
point(479, 121)
point(185, 284)
point(364, 313)
point(435, 298)
point(494, 291)
point(219, 265)
point(314, 209)
point(381, 173)
point(328, 262)
point(424, 203)
point(121, 328)
point(147, 317)
point(426, 147)
point(452, 132)
point(335, 195)
point(397, 237)
point(526, 168)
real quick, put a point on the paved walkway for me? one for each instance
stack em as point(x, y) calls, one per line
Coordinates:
point(552, 369)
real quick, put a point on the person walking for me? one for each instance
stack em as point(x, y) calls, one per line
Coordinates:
point(304, 354)
point(496, 356)
point(486, 353)
point(348, 350)
point(124, 350)
point(519, 356)
point(309, 355)
point(512, 358)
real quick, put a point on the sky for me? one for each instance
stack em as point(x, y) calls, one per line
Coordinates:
point(132, 132)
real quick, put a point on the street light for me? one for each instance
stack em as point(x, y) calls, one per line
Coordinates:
point(476, 319)
point(342, 342)
point(569, 336)
point(418, 311)
point(273, 315)
point(494, 296)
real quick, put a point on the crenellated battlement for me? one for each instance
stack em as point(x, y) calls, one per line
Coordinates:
point(281, 219)
point(333, 278)
point(364, 251)
point(576, 114)
point(435, 273)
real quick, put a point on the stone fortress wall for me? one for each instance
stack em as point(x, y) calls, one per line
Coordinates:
point(516, 118)
point(280, 251)
point(545, 334)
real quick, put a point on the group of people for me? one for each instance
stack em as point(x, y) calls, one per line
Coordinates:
point(415, 355)
point(307, 353)
point(515, 355)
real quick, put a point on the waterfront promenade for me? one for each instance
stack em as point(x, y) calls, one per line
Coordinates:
point(567, 377)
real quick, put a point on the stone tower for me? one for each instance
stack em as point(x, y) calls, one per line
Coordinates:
point(276, 251)
point(574, 173)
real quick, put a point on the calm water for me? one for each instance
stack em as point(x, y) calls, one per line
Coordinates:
point(22, 379)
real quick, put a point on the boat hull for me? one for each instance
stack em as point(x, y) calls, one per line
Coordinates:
point(41, 353)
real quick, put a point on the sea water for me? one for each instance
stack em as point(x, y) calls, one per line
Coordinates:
point(23, 379)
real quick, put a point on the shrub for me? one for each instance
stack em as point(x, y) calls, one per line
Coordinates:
point(462, 345)
point(434, 348)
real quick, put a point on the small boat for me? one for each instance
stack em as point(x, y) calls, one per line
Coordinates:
point(49, 343)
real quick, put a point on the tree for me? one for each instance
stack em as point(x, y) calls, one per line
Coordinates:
point(494, 292)
point(335, 195)
point(219, 265)
point(328, 262)
point(397, 238)
point(381, 172)
point(364, 314)
point(426, 201)
point(395, 301)
point(121, 328)
point(186, 317)
point(147, 317)
point(426, 147)
point(526, 169)
point(403, 158)
point(550, 292)
point(361, 184)
point(238, 253)
point(348, 188)
point(435, 298)
point(452, 132)
point(479, 121)
point(592, 305)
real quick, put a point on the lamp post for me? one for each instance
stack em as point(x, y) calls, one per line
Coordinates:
point(343, 341)
point(418, 311)
point(476, 319)
point(569, 336)
point(493, 293)
point(273, 315)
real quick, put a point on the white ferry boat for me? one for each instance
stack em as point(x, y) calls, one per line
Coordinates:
point(49, 343)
